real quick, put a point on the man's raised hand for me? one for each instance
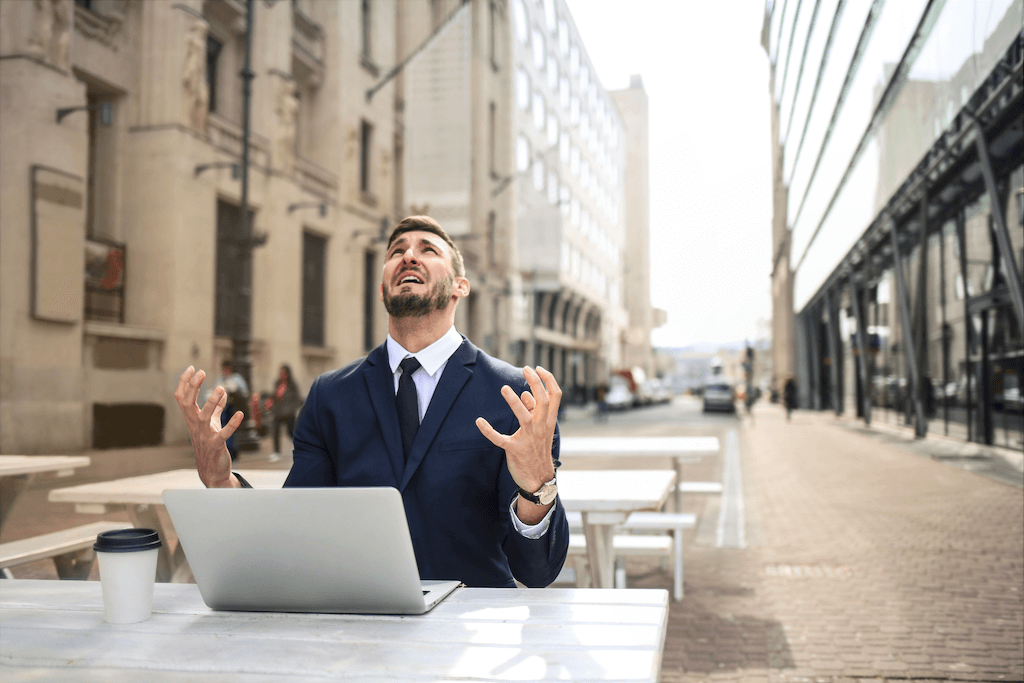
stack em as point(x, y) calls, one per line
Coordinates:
point(528, 451)
point(204, 429)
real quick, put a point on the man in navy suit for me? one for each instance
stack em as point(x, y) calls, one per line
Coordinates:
point(469, 440)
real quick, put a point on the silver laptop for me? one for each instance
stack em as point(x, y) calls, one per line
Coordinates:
point(339, 550)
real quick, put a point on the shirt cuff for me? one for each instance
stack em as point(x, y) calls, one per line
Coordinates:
point(527, 531)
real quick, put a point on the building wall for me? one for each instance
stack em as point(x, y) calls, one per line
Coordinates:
point(147, 59)
point(864, 103)
point(637, 350)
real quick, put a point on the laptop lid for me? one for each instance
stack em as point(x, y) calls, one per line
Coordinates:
point(340, 550)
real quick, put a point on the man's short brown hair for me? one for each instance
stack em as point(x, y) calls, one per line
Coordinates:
point(428, 224)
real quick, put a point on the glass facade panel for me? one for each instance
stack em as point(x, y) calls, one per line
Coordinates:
point(791, 128)
point(777, 15)
point(854, 13)
point(895, 26)
point(948, 70)
point(803, 24)
point(782, 50)
point(851, 215)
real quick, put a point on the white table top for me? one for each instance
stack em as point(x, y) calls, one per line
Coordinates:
point(54, 630)
point(11, 465)
point(148, 489)
point(645, 446)
point(614, 490)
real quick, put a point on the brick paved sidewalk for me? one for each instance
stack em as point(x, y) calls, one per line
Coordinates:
point(864, 561)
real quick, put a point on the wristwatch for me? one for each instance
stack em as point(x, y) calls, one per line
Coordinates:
point(544, 495)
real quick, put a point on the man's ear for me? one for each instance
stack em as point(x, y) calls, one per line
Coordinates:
point(460, 287)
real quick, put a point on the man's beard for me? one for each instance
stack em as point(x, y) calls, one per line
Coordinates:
point(411, 305)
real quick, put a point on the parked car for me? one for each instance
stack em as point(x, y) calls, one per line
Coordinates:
point(719, 397)
point(619, 397)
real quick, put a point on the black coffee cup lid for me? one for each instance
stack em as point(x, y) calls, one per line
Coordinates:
point(127, 541)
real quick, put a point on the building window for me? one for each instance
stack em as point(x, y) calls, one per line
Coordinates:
point(365, 146)
point(522, 153)
point(522, 89)
point(522, 28)
point(314, 277)
point(366, 20)
point(494, 30)
point(370, 284)
point(213, 50)
point(229, 268)
point(492, 148)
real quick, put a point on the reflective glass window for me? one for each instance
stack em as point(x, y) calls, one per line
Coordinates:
point(522, 25)
point(522, 89)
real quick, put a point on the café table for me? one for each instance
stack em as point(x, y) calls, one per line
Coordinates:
point(54, 630)
point(684, 450)
point(142, 496)
point(605, 498)
point(18, 471)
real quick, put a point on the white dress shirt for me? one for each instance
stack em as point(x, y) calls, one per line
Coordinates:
point(433, 360)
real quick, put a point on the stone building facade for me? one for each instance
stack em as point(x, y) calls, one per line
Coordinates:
point(121, 128)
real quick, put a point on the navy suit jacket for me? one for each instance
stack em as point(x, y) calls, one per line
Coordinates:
point(456, 486)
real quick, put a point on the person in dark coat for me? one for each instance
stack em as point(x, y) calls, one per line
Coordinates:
point(284, 405)
point(789, 396)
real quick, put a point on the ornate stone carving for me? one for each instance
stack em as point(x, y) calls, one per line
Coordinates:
point(287, 114)
point(195, 91)
point(102, 28)
point(52, 24)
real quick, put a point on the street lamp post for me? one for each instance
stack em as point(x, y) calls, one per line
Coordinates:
point(246, 438)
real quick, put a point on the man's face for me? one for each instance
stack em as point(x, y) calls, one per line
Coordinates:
point(418, 276)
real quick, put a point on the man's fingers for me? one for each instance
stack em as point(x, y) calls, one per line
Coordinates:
point(231, 426)
point(528, 400)
point(554, 394)
point(498, 439)
point(180, 390)
point(516, 404)
point(537, 387)
point(216, 398)
point(218, 409)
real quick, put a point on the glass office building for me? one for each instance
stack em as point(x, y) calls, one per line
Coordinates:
point(899, 210)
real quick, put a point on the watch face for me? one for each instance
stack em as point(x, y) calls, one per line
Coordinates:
point(548, 493)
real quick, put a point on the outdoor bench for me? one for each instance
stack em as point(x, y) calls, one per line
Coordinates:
point(71, 549)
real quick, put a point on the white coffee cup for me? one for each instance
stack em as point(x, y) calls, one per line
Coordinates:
point(127, 560)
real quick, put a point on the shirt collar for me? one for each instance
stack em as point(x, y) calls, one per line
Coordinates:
point(431, 358)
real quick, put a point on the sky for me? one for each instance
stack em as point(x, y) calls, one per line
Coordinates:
point(706, 78)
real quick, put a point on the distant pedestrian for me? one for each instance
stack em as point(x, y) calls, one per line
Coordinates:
point(789, 396)
point(284, 405)
point(235, 387)
point(602, 403)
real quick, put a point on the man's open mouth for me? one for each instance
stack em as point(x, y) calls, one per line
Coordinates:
point(407, 279)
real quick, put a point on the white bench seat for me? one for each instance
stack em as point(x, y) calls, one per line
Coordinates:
point(700, 487)
point(642, 544)
point(71, 549)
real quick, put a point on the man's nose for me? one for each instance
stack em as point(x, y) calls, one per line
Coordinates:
point(409, 255)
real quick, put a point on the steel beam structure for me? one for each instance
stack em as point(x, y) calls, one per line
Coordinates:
point(861, 351)
point(969, 342)
point(921, 428)
point(1006, 257)
point(834, 349)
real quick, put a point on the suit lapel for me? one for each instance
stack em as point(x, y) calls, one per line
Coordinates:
point(380, 383)
point(456, 373)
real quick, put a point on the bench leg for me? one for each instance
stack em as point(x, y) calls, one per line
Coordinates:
point(5, 573)
point(620, 573)
point(677, 587)
point(75, 566)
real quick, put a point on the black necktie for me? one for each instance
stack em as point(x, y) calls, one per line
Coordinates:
point(408, 404)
